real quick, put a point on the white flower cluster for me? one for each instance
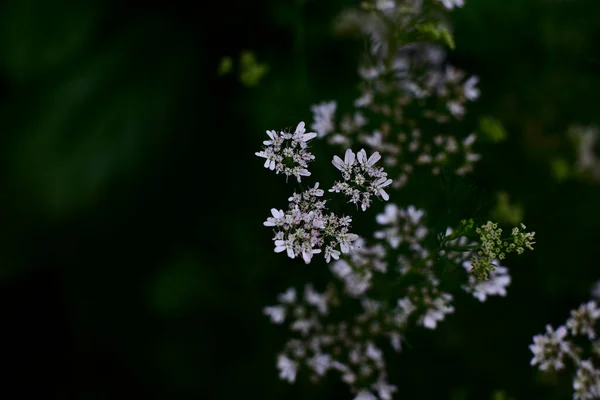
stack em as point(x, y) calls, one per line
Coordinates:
point(553, 349)
point(307, 227)
point(401, 226)
point(416, 130)
point(287, 153)
point(496, 284)
point(407, 116)
point(345, 347)
point(357, 272)
point(361, 178)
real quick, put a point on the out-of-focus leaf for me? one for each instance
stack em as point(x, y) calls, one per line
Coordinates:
point(492, 129)
point(39, 35)
point(560, 169)
point(251, 71)
point(225, 66)
point(102, 122)
point(506, 211)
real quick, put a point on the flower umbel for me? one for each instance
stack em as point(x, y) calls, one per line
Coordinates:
point(361, 178)
point(307, 227)
point(287, 153)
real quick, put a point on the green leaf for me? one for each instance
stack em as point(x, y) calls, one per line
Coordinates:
point(492, 129)
point(251, 71)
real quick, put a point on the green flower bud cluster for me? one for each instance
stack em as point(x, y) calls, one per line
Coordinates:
point(492, 246)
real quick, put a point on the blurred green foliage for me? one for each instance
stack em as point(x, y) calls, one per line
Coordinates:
point(133, 256)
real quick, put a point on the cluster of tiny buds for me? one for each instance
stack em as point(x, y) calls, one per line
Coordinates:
point(554, 348)
point(493, 246)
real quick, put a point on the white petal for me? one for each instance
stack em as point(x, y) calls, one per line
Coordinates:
point(374, 158)
point(349, 157)
point(362, 156)
point(307, 136)
point(337, 162)
point(290, 252)
point(300, 128)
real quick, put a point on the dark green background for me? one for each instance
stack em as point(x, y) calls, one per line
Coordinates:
point(133, 260)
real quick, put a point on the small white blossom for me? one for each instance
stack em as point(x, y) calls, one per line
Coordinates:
point(384, 389)
point(365, 395)
point(550, 349)
point(385, 4)
point(277, 314)
point(437, 311)
point(320, 363)
point(450, 4)
point(495, 285)
point(470, 91)
point(323, 117)
point(287, 368)
point(583, 320)
point(288, 153)
point(361, 178)
point(586, 383)
point(289, 297)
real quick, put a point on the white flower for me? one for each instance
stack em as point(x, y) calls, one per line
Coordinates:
point(287, 153)
point(437, 311)
point(288, 297)
point(587, 382)
point(450, 4)
point(583, 320)
point(323, 114)
point(362, 158)
point(365, 395)
point(287, 368)
point(331, 253)
point(550, 348)
point(379, 185)
point(406, 305)
point(300, 135)
point(346, 165)
point(277, 219)
point(345, 240)
point(288, 245)
point(396, 341)
point(277, 314)
point(374, 353)
point(495, 285)
point(320, 363)
point(307, 227)
point(456, 108)
point(362, 179)
point(470, 91)
point(385, 4)
point(315, 299)
point(384, 389)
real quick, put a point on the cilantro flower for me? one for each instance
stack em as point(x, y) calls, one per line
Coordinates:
point(287, 153)
point(361, 178)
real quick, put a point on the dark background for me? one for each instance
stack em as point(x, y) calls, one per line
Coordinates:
point(133, 260)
